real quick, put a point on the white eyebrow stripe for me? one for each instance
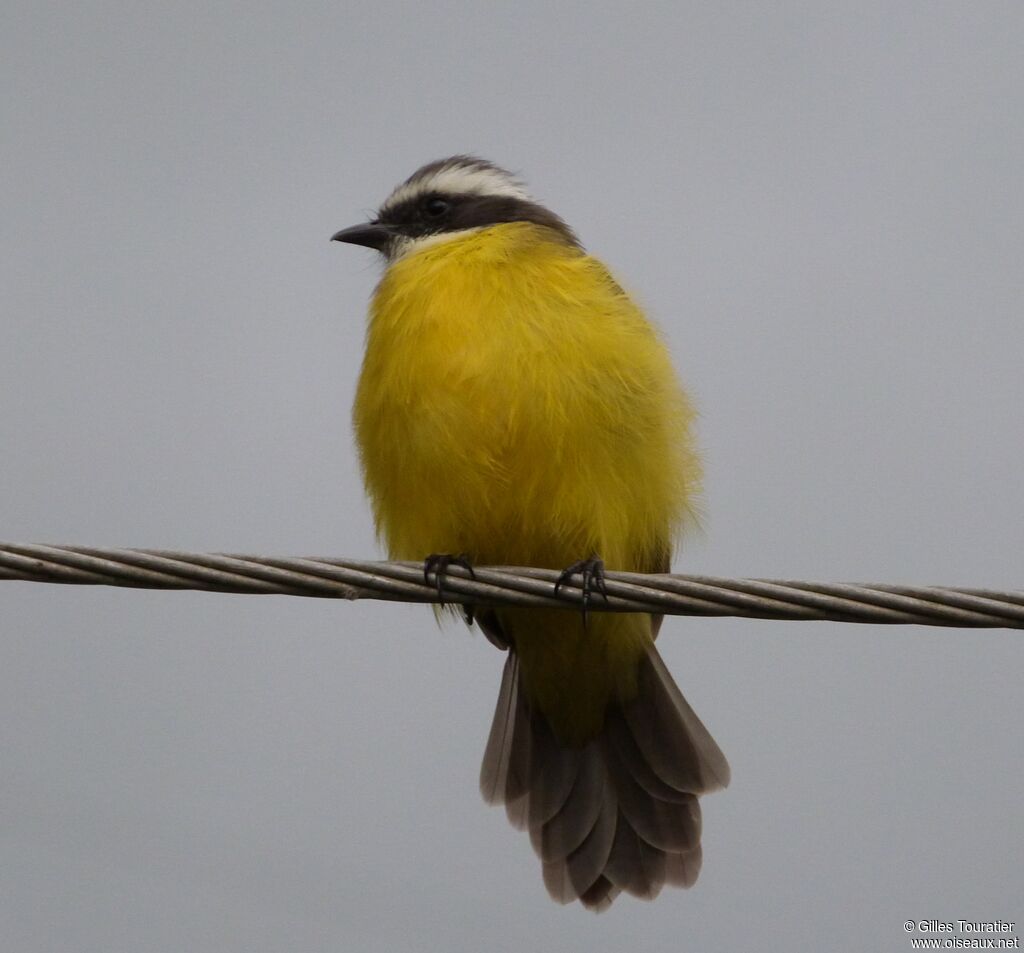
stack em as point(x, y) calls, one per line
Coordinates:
point(459, 180)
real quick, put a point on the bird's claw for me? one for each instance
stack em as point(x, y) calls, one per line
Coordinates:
point(591, 573)
point(436, 565)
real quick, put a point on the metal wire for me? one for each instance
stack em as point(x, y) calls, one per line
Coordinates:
point(404, 582)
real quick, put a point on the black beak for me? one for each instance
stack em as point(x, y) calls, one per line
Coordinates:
point(370, 234)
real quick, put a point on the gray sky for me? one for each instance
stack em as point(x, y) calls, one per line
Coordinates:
point(821, 204)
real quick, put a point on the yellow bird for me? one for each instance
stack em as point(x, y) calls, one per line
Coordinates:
point(516, 408)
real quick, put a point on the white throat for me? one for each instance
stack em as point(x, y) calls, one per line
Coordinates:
point(404, 247)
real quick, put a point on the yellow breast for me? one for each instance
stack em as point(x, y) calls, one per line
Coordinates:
point(515, 405)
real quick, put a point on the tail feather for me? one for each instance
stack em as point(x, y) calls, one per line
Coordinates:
point(568, 878)
point(621, 741)
point(682, 870)
point(505, 772)
point(633, 865)
point(494, 770)
point(622, 812)
point(585, 865)
point(687, 757)
point(568, 829)
point(553, 776)
point(672, 826)
point(600, 896)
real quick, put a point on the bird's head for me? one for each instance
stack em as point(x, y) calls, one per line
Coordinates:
point(445, 198)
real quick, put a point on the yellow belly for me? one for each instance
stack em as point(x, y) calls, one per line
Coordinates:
point(516, 406)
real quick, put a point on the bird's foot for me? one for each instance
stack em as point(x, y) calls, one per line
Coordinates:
point(591, 573)
point(436, 565)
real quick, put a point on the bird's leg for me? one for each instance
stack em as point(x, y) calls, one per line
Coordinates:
point(437, 564)
point(591, 573)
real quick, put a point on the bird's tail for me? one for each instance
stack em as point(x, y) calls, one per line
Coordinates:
point(619, 813)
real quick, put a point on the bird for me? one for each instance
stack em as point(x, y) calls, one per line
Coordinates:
point(516, 407)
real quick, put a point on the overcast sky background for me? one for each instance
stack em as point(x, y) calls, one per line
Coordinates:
point(821, 204)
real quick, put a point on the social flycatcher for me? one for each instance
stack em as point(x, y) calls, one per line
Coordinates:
point(516, 408)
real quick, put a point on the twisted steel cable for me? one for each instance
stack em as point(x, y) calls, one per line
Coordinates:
point(400, 581)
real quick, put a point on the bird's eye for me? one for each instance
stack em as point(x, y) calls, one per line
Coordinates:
point(436, 207)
